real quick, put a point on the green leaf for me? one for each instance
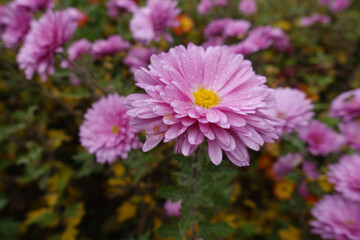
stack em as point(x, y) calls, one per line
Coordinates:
point(220, 229)
point(165, 231)
point(175, 194)
point(3, 202)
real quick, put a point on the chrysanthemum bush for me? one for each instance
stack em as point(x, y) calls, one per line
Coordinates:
point(165, 119)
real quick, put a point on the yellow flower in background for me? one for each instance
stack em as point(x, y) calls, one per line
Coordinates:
point(185, 24)
point(284, 25)
point(284, 189)
point(126, 211)
point(324, 184)
point(290, 233)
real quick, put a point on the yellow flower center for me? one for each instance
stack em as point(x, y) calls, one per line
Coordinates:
point(206, 98)
point(115, 129)
point(350, 222)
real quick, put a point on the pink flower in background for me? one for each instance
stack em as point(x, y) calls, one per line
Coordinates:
point(286, 164)
point(76, 50)
point(345, 176)
point(47, 36)
point(16, 24)
point(293, 108)
point(106, 131)
point(324, 2)
point(322, 140)
point(346, 105)
point(195, 93)
point(216, 28)
point(247, 7)
point(339, 5)
point(220, 2)
point(336, 218)
point(173, 208)
point(150, 22)
point(315, 18)
point(36, 5)
point(351, 132)
point(237, 28)
point(225, 27)
point(310, 170)
point(115, 7)
point(110, 46)
point(204, 6)
point(261, 38)
point(138, 57)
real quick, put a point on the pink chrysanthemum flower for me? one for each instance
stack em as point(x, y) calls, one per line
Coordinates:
point(106, 131)
point(315, 18)
point(16, 24)
point(293, 108)
point(237, 28)
point(204, 6)
point(218, 30)
point(345, 176)
point(150, 22)
point(322, 140)
point(46, 38)
point(247, 7)
point(36, 5)
point(346, 105)
point(336, 218)
point(193, 93)
point(286, 164)
point(310, 170)
point(115, 7)
point(261, 38)
point(112, 45)
point(138, 57)
point(76, 50)
point(339, 5)
point(351, 131)
point(172, 209)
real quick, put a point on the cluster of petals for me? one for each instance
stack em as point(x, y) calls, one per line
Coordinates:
point(149, 23)
point(350, 131)
point(115, 7)
point(226, 27)
point(346, 105)
point(336, 5)
point(205, 6)
point(310, 170)
point(322, 140)
point(286, 164)
point(336, 218)
point(261, 38)
point(15, 23)
point(315, 18)
point(293, 108)
point(247, 7)
point(106, 131)
point(345, 176)
point(109, 46)
point(46, 37)
point(195, 93)
point(76, 50)
point(36, 5)
point(138, 57)
point(172, 209)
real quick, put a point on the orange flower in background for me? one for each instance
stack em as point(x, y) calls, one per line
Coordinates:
point(83, 20)
point(186, 25)
point(284, 189)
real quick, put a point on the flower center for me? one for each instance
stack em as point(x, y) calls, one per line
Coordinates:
point(206, 98)
point(115, 129)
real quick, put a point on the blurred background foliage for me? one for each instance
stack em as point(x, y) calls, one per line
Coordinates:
point(51, 188)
